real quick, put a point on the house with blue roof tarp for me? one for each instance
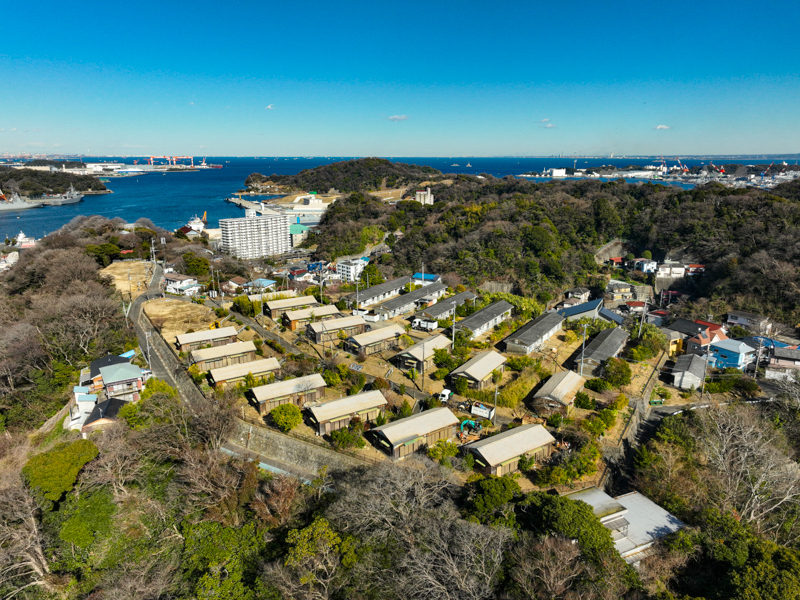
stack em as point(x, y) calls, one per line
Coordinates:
point(425, 278)
point(732, 353)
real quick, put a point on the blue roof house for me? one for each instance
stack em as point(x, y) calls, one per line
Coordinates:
point(426, 279)
point(732, 353)
point(589, 310)
point(260, 284)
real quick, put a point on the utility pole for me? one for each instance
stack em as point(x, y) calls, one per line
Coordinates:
point(583, 349)
point(708, 354)
point(644, 312)
point(758, 357)
point(147, 335)
point(422, 375)
point(453, 328)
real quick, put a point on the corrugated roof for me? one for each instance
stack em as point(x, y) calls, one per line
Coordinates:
point(733, 346)
point(478, 319)
point(580, 308)
point(380, 289)
point(426, 347)
point(608, 315)
point(220, 351)
point(282, 295)
point(411, 297)
point(603, 505)
point(687, 327)
point(336, 324)
point(787, 353)
point(306, 313)
point(256, 367)
point(480, 366)
point(206, 335)
point(444, 307)
point(330, 411)
point(105, 361)
point(417, 425)
point(648, 523)
point(122, 372)
point(561, 387)
point(264, 393)
point(535, 330)
point(515, 442)
point(289, 303)
point(605, 344)
point(377, 335)
point(691, 363)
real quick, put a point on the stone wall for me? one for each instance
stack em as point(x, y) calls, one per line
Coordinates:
point(612, 248)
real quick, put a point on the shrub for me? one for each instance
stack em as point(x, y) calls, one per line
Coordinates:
point(497, 376)
point(412, 374)
point(461, 385)
point(555, 420)
point(404, 410)
point(439, 374)
point(518, 363)
point(349, 437)
point(620, 402)
point(579, 464)
point(595, 426)
point(331, 378)
point(275, 346)
point(55, 472)
point(662, 393)
point(380, 384)
point(442, 451)
point(598, 385)
point(617, 372)
point(286, 416)
point(609, 417)
point(583, 400)
point(570, 337)
point(469, 462)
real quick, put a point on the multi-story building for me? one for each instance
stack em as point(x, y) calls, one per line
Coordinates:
point(256, 236)
point(350, 270)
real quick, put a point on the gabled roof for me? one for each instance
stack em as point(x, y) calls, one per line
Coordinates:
point(480, 366)
point(786, 353)
point(330, 411)
point(177, 277)
point(105, 361)
point(393, 285)
point(747, 315)
point(289, 303)
point(704, 338)
point(221, 351)
point(709, 324)
point(377, 335)
point(336, 324)
point(533, 331)
point(255, 367)
point(480, 318)
point(687, 327)
point(280, 295)
point(122, 372)
point(416, 426)
point(444, 307)
point(691, 363)
point(605, 344)
point(105, 410)
point(561, 387)
point(426, 277)
point(206, 335)
point(510, 444)
point(580, 308)
point(733, 346)
point(578, 290)
point(316, 311)
point(611, 316)
point(264, 393)
point(411, 297)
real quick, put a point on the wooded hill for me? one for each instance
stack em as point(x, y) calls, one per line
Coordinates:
point(27, 182)
point(353, 175)
point(542, 236)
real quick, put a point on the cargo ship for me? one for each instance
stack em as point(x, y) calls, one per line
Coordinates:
point(204, 165)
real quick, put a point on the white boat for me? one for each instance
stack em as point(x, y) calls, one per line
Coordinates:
point(469, 165)
point(455, 165)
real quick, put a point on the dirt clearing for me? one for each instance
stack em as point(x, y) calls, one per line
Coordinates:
point(130, 277)
point(174, 317)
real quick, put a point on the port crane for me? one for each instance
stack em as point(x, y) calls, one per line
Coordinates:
point(175, 159)
point(766, 171)
point(682, 167)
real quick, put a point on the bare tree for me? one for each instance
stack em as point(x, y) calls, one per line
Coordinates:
point(548, 567)
point(275, 498)
point(119, 463)
point(214, 420)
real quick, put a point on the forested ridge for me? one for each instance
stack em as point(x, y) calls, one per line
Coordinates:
point(542, 236)
point(28, 182)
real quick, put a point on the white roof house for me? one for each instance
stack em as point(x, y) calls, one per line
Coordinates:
point(207, 335)
point(424, 350)
point(336, 324)
point(515, 442)
point(291, 303)
point(312, 312)
point(561, 387)
point(222, 351)
point(335, 409)
point(279, 389)
point(256, 367)
point(417, 426)
point(480, 366)
point(269, 296)
point(377, 335)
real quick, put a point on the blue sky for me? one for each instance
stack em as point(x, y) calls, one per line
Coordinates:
point(400, 78)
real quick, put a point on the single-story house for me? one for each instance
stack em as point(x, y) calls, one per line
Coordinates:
point(175, 283)
point(483, 320)
point(122, 381)
point(426, 279)
point(675, 341)
point(379, 293)
point(259, 285)
point(80, 407)
point(567, 303)
point(688, 328)
point(674, 271)
point(337, 414)
point(559, 391)
point(610, 316)
point(268, 296)
point(635, 306)
point(657, 317)
point(222, 356)
point(296, 318)
point(298, 391)
point(405, 436)
point(276, 308)
point(579, 293)
point(711, 326)
point(103, 414)
point(732, 353)
point(534, 334)
point(328, 331)
point(374, 341)
point(478, 370)
point(443, 309)
point(606, 344)
point(420, 355)
point(700, 343)
point(748, 320)
point(207, 337)
point(499, 454)
point(234, 284)
point(233, 374)
point(616, 261)
point(695, 269)
point(783, 364)
point(406, 303)
point(635, 521)
point(588, 310)
point(689, 371)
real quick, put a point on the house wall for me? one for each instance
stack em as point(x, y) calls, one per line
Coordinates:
point(224, 361)
point(229, 382)
point(510, 466)
point(125, 390)
point(333, 335)
point(403, 450)
point(477, 332)
point(368, 416)
point(514, 347)
point(211, 343)
point(372, 348)
point(686, 380)
point(298, 400)
point(381, 298)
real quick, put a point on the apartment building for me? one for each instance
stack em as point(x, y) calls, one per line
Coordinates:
point(256, 236)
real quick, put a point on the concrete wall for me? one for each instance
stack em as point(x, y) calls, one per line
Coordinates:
point(612, 248)
point(292, 451)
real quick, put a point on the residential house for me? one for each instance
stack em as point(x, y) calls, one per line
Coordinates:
point(671, 270)
point(618, 290)
point(233, 374)
point(695, 269)
point(616, 261)
point(500, 454)
point(222, 356)
point(443, 309)
point(329, 330)
point(374, 341)
point(206, 337)
point(479, 369)
point(700, 343)
point(259, 285)
point(784, 364)
point(406, 303)
point(589, 310)
point(298, 318)
point(606, 344)
point(234, 284)
point(750, 321)
point(123, 381)
point(686, 327)
point(711, 326)
point(689, 372)
point(645, 265)
point(483, 320)
point(732, 354)
point(298, 233)
point(267, 297)
point(610, 316)
point(675, 340)
point(379, 293)
point(182, 285)
point(405, 436)
point(579, 293)
point(420, 355)
point(103, 414)
point(558, 392)
point(338, 414)
point(634, 306)
point(81, 406)
point(657, 317)
point(425, 279)
point(533, 335)
point(297, 391)
point(90, 377)
point(276, 308)
point(636, 522)
point(567, 303)
point(350, 270)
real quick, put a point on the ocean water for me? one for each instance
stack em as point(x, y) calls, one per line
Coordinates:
point(171, 199)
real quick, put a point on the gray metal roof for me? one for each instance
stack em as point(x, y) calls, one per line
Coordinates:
point(787, 353)
point(444, 307)
point(514, 442)
point(411, 297)
point(484, 315)
point(688, 327)
point(380, 289)
point(535, 330)
point(691, 363)
point(605, 344)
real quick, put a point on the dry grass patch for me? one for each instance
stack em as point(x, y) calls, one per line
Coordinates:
point(130, 277)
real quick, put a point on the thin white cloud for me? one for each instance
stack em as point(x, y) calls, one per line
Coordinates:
point(549, 126)
point(2, 129)
point(662, 127)
point(201, 146)
point(398, 118)
point(544, 121)
point(270, 107)
point(13, 129)
point(191, 103)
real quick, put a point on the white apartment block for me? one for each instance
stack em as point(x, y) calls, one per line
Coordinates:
point(424, 196)
point(256, 237)
point(350, 270)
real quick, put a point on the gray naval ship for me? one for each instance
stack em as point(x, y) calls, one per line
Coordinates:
point(70, 197)
point(16, 203)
